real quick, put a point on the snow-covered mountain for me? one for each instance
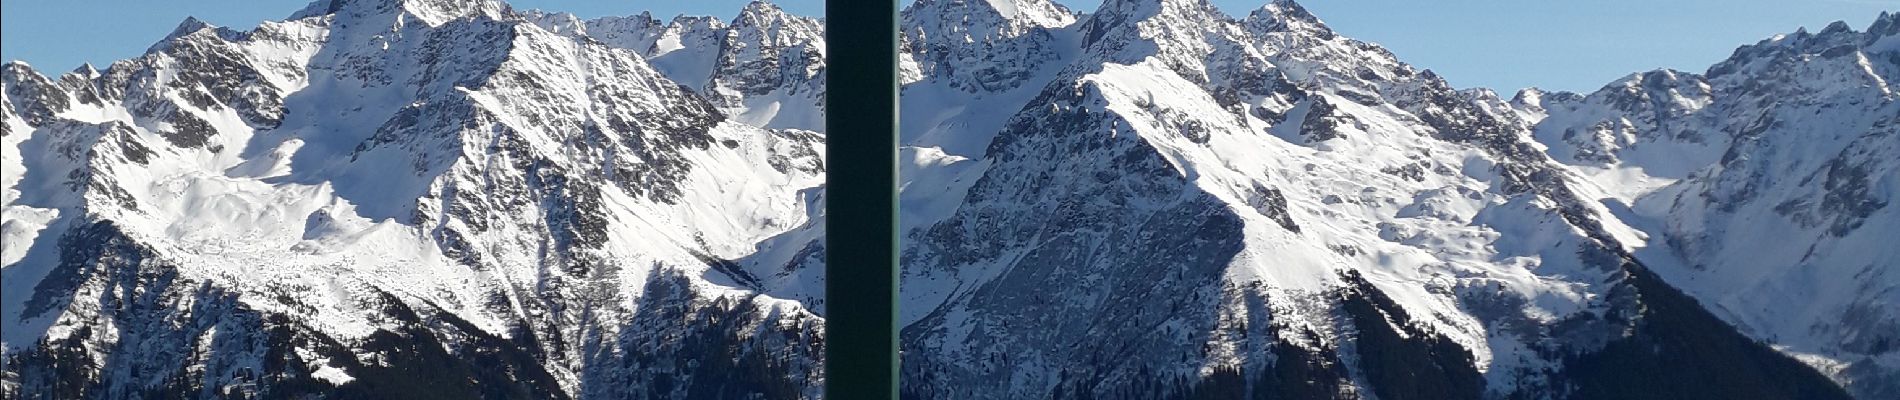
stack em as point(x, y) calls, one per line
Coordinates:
point(1763, 187)
point(395, 199)
point(764, 68)
point(437, 198)
point(1198, 205)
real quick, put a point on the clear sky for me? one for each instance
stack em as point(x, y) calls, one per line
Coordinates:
point(1503, 44)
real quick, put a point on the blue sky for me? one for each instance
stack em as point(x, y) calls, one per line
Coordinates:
point(1503, 44)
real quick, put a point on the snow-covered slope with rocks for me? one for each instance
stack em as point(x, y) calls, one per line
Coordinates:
point(1152, 199)
point(394, 199)
point(1198, 205)
point(763, 68)
point(1764, 186)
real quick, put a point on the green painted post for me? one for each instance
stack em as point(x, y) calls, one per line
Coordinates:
point(861, 200)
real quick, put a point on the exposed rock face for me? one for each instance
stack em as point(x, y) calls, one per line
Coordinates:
point(456, 199)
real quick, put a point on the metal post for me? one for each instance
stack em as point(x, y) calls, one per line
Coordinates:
point(861, 200)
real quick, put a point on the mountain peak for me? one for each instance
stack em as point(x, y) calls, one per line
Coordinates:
point(1529, 95)
point(86, 69)
point(1041, 13)
point(1011, 9)
point(1157, 4)
point(1287, 16)
point(1659, 80)
point(191, 26)
point(1174, 15)
point(1836, 27)
point(696, 23)
point(951, 21)
point(1287, 10)
point(1888, 24)
point(186, 27)
point(762, 20)
point(433, 12)
point(555, 21)
point(762, 8)
point(16, 66)
point(1004, 18)
point(1538, 97)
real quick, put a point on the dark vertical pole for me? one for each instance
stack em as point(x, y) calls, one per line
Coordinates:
point(861, 199)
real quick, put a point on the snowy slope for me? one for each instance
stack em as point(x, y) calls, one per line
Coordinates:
point(1763, 186)
point(763, 68)
point(330, 202)
point(1195, 204)
point(1152, 199)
